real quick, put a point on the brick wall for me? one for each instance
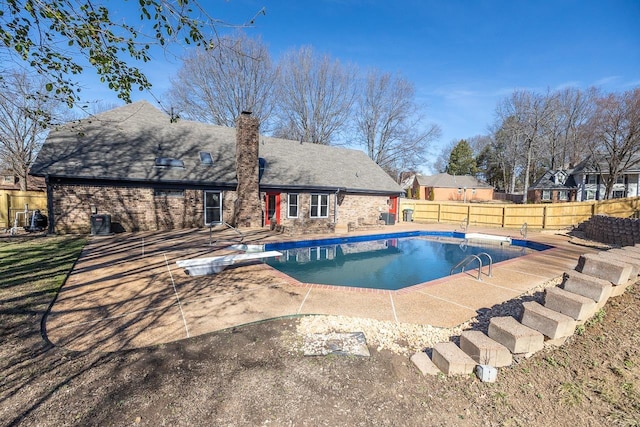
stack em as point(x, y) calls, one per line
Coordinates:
point(131, 208)
point(359, 209)
point(612, 230)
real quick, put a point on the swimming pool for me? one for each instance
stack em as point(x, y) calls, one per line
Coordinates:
point(387, 261)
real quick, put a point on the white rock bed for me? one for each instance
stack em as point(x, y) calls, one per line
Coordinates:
point(407, 338)
point(401, 338)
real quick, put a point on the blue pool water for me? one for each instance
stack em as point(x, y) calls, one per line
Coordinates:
point(386, 261)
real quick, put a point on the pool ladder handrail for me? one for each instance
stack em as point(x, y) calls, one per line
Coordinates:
point(473, 257)
point(523, 230)
point(464, 225)
point(240, 236)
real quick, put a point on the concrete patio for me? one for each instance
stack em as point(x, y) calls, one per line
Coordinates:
point(126, 291)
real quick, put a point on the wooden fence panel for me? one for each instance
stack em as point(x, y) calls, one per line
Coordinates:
point(12, 201)
point(552, 215)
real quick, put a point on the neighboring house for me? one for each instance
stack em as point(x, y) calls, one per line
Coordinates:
point(150, 173)
point(445, 187)
point(555, 186)
point(10, 181)
point(590, 178)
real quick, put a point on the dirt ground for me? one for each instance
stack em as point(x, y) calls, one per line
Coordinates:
point(256, 375)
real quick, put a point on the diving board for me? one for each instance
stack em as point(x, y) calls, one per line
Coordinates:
point(213, 265)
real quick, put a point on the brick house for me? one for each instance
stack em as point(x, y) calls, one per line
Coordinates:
point(554, 186)
point(445, 187)
point(149, 173)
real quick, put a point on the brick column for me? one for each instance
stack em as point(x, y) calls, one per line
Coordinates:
point(248, 208)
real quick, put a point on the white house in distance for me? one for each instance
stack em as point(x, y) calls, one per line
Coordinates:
point(590, 179)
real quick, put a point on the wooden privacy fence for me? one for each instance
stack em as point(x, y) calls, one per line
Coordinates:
point(553, 216)
point(12, 201)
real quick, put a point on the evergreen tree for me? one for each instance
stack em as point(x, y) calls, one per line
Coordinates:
point(461, 160)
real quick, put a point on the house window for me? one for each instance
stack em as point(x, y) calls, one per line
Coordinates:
point(319, 206)
point(8, 179)
point(620, 179)
point(563, 195)
point(592, 179)
point(590, 195)
point(212, 207)
point(292, 202)
point(618, 194)
point(546, 195)
point(165, 192)
point(167, 162)
point(206, 158)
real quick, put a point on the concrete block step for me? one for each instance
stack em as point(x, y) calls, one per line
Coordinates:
point(576, 306)
point(588, 286)
point(618, 273)
point(484, 350)
point(619, 289)
point(451, 360)
point(517, 337)
point(424, 364)
point(549, 322)
point(633, 262)
point(624, 252)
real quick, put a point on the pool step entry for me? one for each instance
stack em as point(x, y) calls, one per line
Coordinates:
point(582, 292)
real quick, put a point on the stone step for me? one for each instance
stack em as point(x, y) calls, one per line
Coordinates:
point(623, 252)
point(613, 271)
point(424, 364)
point(633, 262)
point(451, 360)
point(517, 337)
point(573, 305)
point(549, 322)
point(484, 350)
point(588, 286)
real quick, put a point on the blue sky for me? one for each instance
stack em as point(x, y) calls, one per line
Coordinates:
point(462, 55)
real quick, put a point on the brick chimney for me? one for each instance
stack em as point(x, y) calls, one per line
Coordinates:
point(248, 208)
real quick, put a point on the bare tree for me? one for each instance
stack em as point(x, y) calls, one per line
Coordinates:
point(315, 96)
point(614, 134)
point(25, 111)
point(215, 86)
point(529, 113)
point(389, 123)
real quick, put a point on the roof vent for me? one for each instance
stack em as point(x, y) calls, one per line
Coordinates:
point(206, 158)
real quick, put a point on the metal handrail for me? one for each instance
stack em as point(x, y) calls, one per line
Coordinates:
point(472, 257)
point(464, 224)
point(211, 225)
point(466, 261)
point(523, 230)
point(490, 262)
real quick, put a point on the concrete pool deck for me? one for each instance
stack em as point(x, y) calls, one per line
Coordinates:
point(126, 291)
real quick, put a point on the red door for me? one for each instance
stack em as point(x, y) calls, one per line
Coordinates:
point(273, 208)
point(393, 207)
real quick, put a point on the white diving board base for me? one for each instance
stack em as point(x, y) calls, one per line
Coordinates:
point(488, 237)
point(214, 265)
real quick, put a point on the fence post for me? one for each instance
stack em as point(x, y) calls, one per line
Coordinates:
point(439, 208)
point(544, 217)
point(504, 215)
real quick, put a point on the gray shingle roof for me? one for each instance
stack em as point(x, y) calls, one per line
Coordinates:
point(122, 145)
point(548, 181)
point(444, 180)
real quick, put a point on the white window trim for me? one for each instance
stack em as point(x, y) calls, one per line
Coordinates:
point(546, 193)
point(297, 205)
point(204, 207)
point(320, 196)
point(565, 193)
